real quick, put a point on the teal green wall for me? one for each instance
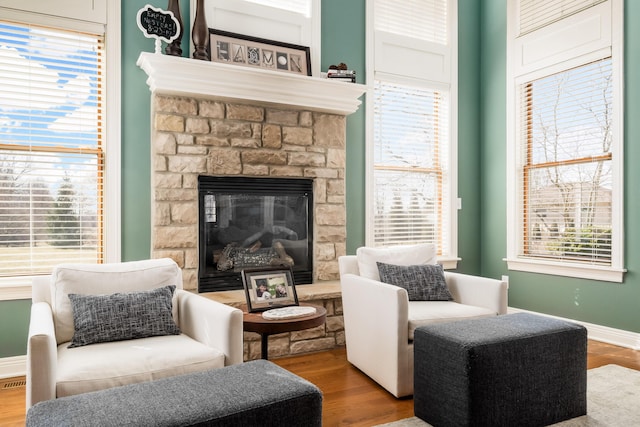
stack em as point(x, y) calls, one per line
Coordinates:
point(343, 40)
point(603, 303)
point(481, 157)
point(14, 326)
point(469, 176)
point(136, 137)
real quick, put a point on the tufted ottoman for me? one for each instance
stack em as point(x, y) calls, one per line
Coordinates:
point(257, 393)
point(511, 370)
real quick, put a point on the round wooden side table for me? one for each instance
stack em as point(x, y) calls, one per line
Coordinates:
point(254, 322)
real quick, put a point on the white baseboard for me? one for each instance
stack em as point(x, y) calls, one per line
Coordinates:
point(15, 366)
point(606, 334)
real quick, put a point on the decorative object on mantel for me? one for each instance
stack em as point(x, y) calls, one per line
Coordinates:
point(200, 34)
point(174, 48)
point(267, 288)
point(158, 24)
point(342, 73)
point(288, 312)
point(238, 49)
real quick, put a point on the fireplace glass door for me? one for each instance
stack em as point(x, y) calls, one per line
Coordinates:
point(248, 223)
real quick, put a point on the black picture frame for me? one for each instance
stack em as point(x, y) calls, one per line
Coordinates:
point(267, 288)
point(247, 51)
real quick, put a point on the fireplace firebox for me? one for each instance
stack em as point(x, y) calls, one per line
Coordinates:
point(248, 222)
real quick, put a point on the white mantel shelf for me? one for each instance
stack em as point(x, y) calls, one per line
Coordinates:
point(173, 75)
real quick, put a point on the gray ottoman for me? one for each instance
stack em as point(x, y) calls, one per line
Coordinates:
point(257, 393)
point(512, 370)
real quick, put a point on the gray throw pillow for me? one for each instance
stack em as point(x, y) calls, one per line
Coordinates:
point(423, 282)
point(122, 316)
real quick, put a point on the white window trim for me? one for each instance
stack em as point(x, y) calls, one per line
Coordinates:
point(113, 137)
point(516, 74)
point(450, 261)
point(19, 287)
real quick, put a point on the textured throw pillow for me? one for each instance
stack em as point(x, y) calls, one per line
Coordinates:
point(122, 316)
point(423, 282)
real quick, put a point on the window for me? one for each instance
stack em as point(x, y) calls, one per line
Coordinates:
point(567, 149)
point(51, 148)
point(412, 114)
point(409, 176)
point(302, 7)
point(54, 180)
point(535, 14)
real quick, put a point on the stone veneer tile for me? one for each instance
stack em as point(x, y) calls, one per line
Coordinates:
point(169, 123)
point(245, 112)
point(196, 136)
point(282, 117)
point(211, 109)
point(171, 104)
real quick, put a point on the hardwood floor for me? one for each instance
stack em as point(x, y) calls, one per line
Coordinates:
point(350, 398)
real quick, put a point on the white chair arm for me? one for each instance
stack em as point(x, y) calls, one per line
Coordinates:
point(212, 323)
point(375, 305)
point(478, 291)
point(376, 328)
point(42, 355)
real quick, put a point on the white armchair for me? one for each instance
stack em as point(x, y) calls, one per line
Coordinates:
point(211, 333)
point(379, 319)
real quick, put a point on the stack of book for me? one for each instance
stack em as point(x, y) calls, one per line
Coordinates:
point(348, 76)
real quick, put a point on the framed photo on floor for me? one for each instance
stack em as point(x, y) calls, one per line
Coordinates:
point(268, 288)
point(238, 49)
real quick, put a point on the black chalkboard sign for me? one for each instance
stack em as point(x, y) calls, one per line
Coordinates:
point(158, 24)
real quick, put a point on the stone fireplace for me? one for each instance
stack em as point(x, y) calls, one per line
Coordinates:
point(286, 127)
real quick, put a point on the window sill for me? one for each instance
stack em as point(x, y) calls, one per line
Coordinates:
point(15, 288)
point(605, 274)
point(448, 263)
point(10, 293)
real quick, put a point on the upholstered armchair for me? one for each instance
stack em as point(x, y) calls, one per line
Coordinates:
point(380, 318)
point(99, 326)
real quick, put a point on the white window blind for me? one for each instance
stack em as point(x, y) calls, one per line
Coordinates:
point(566, 137)
point(410, 165)
point(535, 14)
point(302, 7)
point(51, 148)
point(419, 19)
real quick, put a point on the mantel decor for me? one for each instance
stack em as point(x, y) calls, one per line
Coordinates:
point(158, 24)
point(238, 49)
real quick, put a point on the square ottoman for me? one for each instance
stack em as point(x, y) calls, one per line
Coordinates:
point(512, 370)
point(257, 393)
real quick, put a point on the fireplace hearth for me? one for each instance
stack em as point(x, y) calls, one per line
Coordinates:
point(252, 222)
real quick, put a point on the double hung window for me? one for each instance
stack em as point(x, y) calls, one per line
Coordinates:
point(411, 142)
point(59, 138)
point(565, 143)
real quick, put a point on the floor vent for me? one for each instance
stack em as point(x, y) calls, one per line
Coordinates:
point(14, 384)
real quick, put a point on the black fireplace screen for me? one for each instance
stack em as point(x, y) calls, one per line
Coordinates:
point(251, 223)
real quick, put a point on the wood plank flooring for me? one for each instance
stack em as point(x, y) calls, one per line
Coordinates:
point(350, 398)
